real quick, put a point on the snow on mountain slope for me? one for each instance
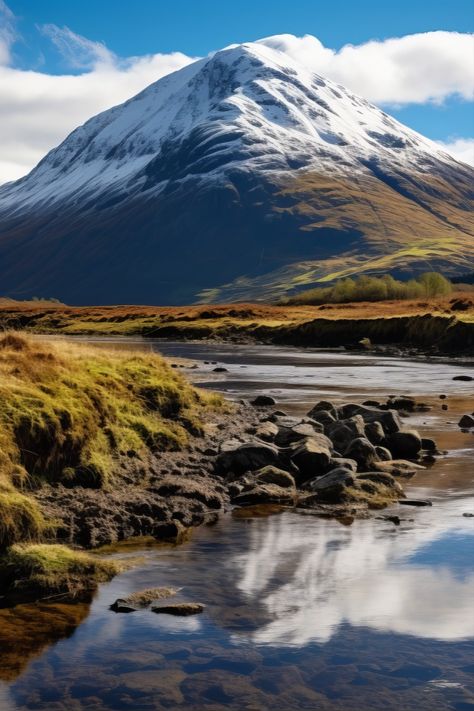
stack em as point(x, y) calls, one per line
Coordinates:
point(251, 98)
point(223, 145)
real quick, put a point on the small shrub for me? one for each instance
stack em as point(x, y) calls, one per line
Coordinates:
point(373, 288)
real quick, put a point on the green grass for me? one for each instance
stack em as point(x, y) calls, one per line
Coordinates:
point(20, 518)
point(70, 412)
point(53, 569)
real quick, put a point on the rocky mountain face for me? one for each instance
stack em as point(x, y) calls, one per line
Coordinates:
point(241, 176)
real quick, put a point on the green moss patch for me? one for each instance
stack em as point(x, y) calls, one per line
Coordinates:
point(41, 570)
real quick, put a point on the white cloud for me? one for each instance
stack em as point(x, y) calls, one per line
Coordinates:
point(418, 68)
point(79, 52)
point(460, 148)
point(38, 110)
point(7, 32)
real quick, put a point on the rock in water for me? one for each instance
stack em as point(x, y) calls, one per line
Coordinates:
point(180, 609)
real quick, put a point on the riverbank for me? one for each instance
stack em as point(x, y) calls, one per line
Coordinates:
point(103, 445)
point(438, 326)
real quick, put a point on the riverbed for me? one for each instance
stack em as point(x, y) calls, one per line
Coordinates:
point(301, 612)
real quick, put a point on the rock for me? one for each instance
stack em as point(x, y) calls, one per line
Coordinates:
point(180, 609)
point(371, 403)
point(263, 401)
point(267, 431)
point(465, 378)
point(288, 435)
point(442, 397)
point(393, 519)
point(468, 515)
point(273, 475)
point(342, 433)
point(265, 494)
point(415, 502)
point(383, 453)
point(220, 369)
point(249, 456)
point(336, 462)
point(374, 432)
point(312, 457)
point(444, 407)
point(324, 417)
point(383, 478)
point(466, 422)
point(389, 419)
point(169, 531)
point(405, 444)
point(330, 486)
point(122, 606)
point(408, 404)
point(363, 452)
point(326, 406)
point(399, 467)
point(141, 599)
point(428, 444)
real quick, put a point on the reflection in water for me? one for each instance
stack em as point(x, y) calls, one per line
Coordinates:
point(312, 579)
point(26, 630)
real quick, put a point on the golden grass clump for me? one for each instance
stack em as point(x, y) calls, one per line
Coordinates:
point(52, 569)
point(69, 411)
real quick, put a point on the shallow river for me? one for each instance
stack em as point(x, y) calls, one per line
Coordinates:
point(302, 613)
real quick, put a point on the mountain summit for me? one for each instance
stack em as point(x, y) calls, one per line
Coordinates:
point(241, 176)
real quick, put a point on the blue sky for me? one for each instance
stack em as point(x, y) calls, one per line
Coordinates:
point(74, 38)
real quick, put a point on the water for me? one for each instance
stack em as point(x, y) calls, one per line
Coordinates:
point(301, 613)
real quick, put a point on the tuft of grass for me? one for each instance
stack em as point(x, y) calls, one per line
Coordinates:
point(20, 518)
point(50, 569)
point(70, 412)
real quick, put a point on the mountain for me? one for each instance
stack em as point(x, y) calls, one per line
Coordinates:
point(243, 175)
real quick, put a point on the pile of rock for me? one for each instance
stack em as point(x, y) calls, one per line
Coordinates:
point(335, 456)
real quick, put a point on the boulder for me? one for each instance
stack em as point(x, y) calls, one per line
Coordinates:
point(363, 452)
point(263, 401)
point(405, 444)
point(389, 419)
point(312, 457)
point(383, 453)
point(326, 406)
point(336, 462)
point(247, 457)
point(266, 431)
point(331, 486)
point(374, 432)
point(342, 433)
point(408, 404)
point(466, 422)
point(265, 494)
point(429, 445)
point(464, 378)
point(399, 467)
point(324, 417)
point(380, 478)
point(288, 435)
point(273, 475)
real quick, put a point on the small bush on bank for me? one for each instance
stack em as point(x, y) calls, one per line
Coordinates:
point(373, 288)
